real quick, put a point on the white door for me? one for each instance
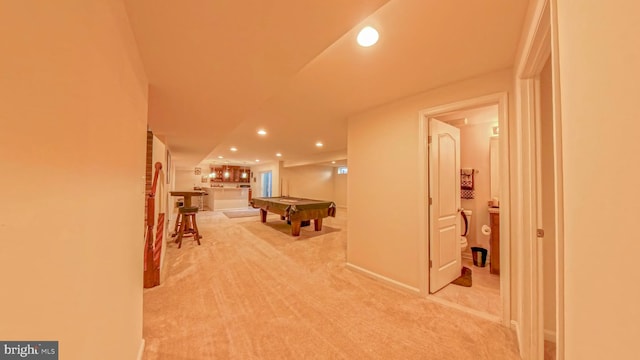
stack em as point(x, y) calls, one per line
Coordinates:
point(444, 191)
point(266, 184)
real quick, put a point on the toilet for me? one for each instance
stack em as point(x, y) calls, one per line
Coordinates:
point(465, 227)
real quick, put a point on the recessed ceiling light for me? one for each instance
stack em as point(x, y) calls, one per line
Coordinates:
point(233, 148)
point(319, 144)
point(262, 132)
point(333, 162)
point(278, 154)
point(220, 157)
point(367, 36)
point(257, 160)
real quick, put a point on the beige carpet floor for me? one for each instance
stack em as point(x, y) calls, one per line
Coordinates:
point(251, 291)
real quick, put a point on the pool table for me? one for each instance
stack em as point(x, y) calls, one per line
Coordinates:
point(295, 210)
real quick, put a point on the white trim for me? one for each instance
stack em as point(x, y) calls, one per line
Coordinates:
point(423, 204)
point(559, 183)
point(505, 212)
point(502, 100)
point(537, 49)
point(515, 326)
point(465, 309)
point(140, 350)
point(393, 283)
point(539, 43)
point(525, 211)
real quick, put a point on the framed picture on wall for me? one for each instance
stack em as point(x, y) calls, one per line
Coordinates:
point(204, 179)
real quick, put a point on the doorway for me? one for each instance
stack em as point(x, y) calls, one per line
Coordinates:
point(477, 286)
point(266, 181)
point(539, 207)
point(452, 112)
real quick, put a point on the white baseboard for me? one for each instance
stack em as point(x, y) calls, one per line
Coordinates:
point(550, 335)
point(516, 327)
point(393, 283)
point(465, 309)
point(140, 350)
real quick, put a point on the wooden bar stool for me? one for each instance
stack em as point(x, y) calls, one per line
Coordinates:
point(179, 220)
point(186, 224)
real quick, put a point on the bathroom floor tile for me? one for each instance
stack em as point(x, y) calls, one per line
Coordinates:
point(483, 295)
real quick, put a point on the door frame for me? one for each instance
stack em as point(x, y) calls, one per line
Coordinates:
point(539, 45)
point(500, 99)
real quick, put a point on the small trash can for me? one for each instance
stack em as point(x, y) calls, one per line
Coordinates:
point(479, 256)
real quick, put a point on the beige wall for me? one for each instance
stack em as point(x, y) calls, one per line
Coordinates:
point(74, 102)
point(275, 168)
point(383, 185)
point(186, 180)
point(548, 196)
point(340, 188)
point(599, 83)
point(309, 181)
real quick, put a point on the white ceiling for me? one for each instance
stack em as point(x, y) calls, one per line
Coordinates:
point(221, 69)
